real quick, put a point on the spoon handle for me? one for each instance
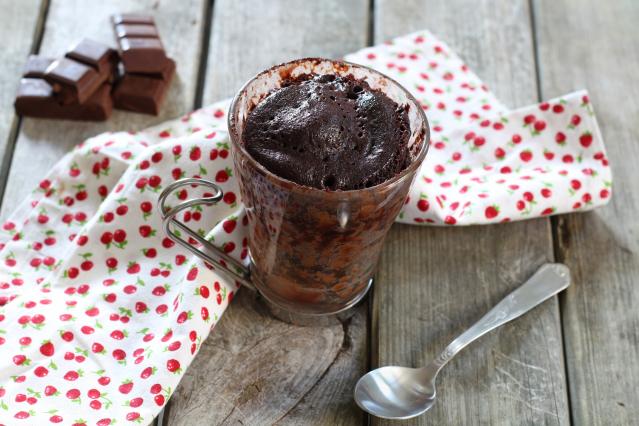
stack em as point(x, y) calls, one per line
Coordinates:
point(549, 280)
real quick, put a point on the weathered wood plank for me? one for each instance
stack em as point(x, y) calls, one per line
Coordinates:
point(330, 402)
point(433, 283)
point(253, 369)
point(249, 36)
point(21, 27)
point(42, 142)
point(594, 45)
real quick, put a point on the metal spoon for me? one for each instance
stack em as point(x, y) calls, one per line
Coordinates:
point(402, 393)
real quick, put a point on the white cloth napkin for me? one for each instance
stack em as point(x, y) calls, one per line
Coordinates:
point(102, 313)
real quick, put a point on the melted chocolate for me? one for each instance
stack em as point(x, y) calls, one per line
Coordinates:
point(329, 132)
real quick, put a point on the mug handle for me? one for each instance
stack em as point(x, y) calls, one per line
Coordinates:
point(207, 251)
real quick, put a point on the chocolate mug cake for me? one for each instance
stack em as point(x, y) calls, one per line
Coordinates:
point(325, 153)
point(325, 159)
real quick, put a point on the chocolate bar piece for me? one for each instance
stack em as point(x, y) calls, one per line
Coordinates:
point(140, 47)
point(142, 55)
point(136, 30)
point(141, 93)
point(36, 66)
point(100, 57)
point(36, 99)
point(132, 18)
point(72, 81)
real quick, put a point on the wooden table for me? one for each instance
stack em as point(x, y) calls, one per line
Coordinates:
point(573, 360)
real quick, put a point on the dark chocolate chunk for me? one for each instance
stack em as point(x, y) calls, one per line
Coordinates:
point(136, 30)
point(140, 47)
point(142, 55)
point(36, 66)
point(72, 81)
point(141, 93)
point(99, 56)
point(35, 98)
point(132, 18)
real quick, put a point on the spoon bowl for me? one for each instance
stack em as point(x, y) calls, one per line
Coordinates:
point(394, 392)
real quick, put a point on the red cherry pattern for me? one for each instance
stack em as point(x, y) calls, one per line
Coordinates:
point(498, 176)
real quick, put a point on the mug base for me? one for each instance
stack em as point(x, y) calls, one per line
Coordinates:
point(314, 320)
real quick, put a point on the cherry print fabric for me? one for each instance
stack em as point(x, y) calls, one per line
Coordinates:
point(103, 332)
point(101, 313)
point(534, 161)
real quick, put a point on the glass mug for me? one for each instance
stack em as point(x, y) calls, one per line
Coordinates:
point(312, 252)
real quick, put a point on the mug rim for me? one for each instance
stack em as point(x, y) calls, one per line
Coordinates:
point(410, 169)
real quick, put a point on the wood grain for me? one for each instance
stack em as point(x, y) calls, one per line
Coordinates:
point(596, 45)
point(20, 31)
point(253, 369)
point(42, 142)
point(435, 282)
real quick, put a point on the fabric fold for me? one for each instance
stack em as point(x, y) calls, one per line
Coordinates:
point(534, 161)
